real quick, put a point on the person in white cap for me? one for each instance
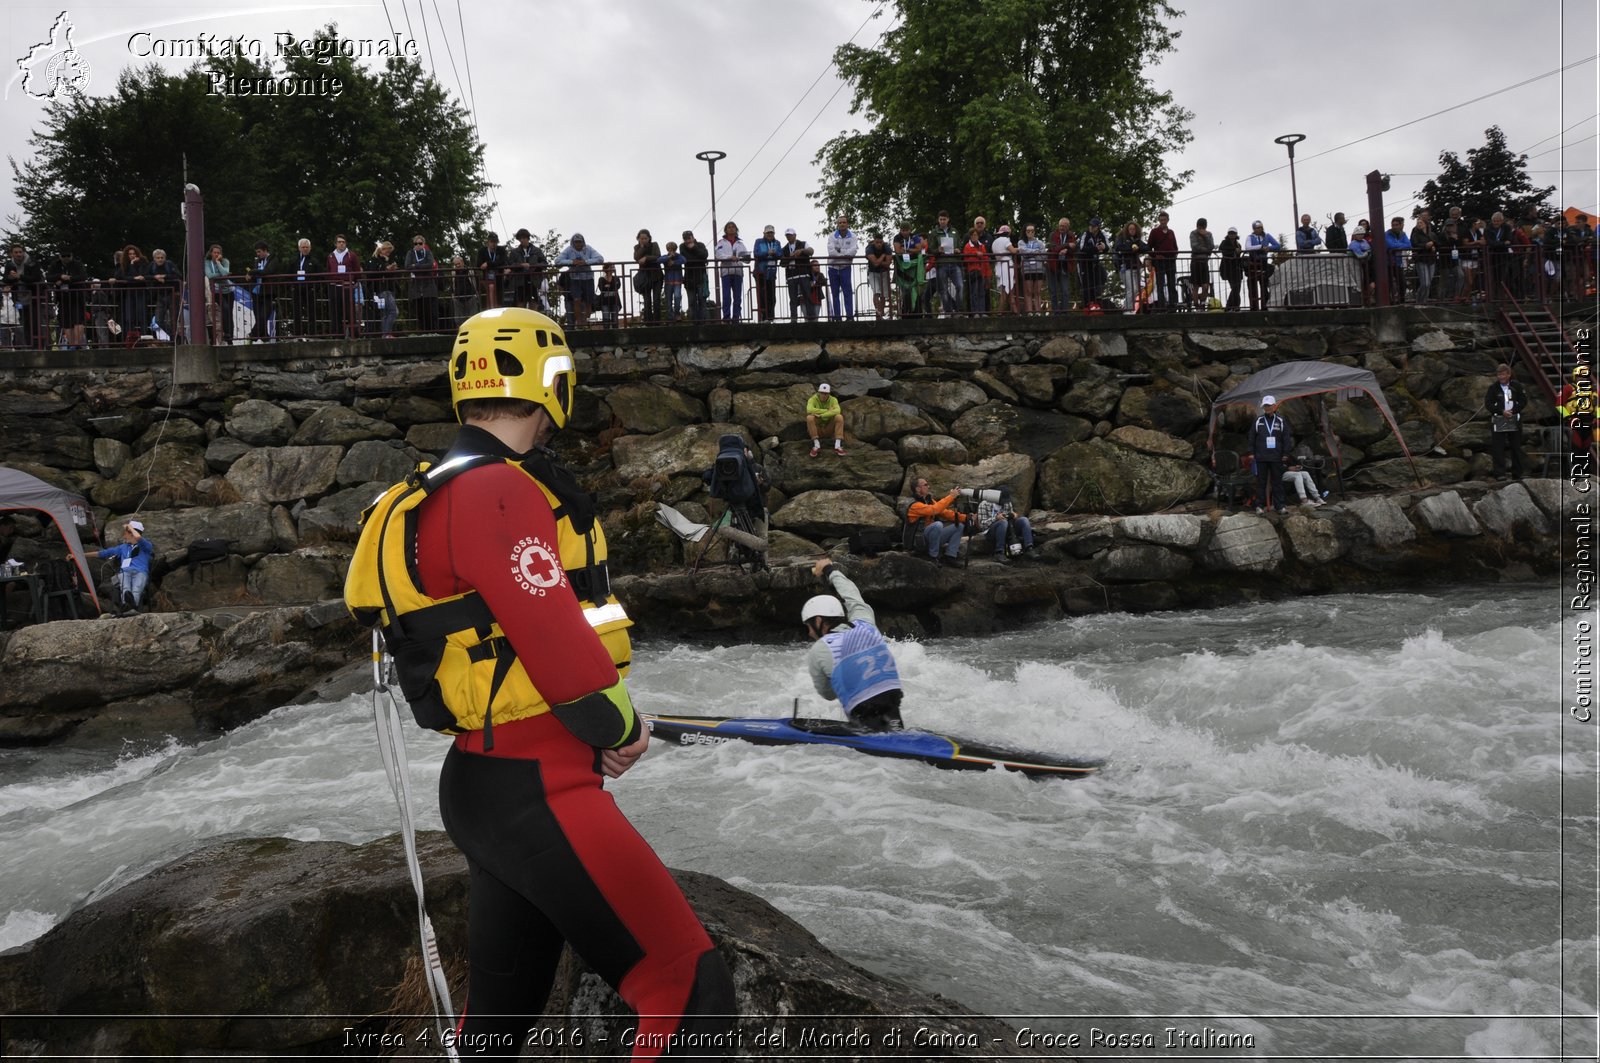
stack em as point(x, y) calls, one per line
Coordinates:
point(768, 253)
point(822, 410)
point(1269, 440)
point(136, 554)
point(796, 258)
point(849, 660)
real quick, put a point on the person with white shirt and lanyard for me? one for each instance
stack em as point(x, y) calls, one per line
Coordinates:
point(843, 246)
point(302, 268)
point(849, 660)
point(1269, 440)
point(1505, 402)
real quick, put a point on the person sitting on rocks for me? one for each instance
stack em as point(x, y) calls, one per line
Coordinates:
point(938, 519)
point(997, 520)
point(136, 554)
point(822, 411)
point(1298, 476)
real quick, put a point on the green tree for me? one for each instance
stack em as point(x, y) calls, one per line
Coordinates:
point(1491, 179)
point(1018, 109)
point(392, 154)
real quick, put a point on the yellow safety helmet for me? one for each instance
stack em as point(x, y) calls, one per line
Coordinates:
point(513, 353)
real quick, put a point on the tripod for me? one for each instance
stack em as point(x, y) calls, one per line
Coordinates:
point(745, 532)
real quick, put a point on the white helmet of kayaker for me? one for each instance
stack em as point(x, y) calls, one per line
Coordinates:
point(823, 606)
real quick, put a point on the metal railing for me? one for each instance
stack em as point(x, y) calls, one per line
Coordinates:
point(243, 308)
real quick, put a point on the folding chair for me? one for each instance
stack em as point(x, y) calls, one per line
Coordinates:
point(60, 583)
point(1231, 482)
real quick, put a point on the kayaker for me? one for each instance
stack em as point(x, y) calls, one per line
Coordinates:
point(849, 659)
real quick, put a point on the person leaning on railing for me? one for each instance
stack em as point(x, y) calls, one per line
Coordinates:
point(796, 259)
point(70, 280)
point(134, 284)
point(166, 286)
point(647, 277)
point(1424, 255)
point(1231, 268)
point(463, 287)
point(303, 266)
point(422, 270)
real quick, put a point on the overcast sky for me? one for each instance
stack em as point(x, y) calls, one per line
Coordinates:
point(592, 113)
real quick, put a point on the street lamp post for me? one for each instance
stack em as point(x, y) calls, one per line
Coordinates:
point(710, 158)
point(1289, 140)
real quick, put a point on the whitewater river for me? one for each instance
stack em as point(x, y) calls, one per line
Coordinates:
point(1343, 825)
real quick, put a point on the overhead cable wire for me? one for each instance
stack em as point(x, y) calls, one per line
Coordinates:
point(821, 111)
point(1394, 128)
point(815, 82)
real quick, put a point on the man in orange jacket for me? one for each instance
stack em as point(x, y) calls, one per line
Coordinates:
point(939, 521)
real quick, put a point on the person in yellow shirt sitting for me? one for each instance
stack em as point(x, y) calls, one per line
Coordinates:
point(822, 410)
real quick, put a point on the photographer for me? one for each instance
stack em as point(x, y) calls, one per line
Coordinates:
point(997, 520)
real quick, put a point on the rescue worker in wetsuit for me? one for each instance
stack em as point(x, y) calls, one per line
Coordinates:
point(1575, 404)
point(552, 859)
point(849, 660)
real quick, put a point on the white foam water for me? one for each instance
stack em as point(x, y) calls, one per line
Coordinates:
point(1335, 825)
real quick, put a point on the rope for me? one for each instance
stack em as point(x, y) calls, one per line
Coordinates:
point(396, 765)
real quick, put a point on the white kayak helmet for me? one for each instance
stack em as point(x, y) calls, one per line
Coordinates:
point(822, 605)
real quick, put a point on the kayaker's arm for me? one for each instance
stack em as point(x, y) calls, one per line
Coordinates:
point(855, 607)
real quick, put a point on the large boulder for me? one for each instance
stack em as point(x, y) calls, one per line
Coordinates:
point(372, 459)
point(1313, 539)
point(932, 450)
point(1244, 542)
point(1170, 410)
point(875, 419)
point(1099, 476)
point(1358, 421)
point(947, 398)
point(1036, 384)
point(863, 468)
point(894, 354)
point(777, 412)
point(337, 517)
point(1093, 392)
point(260, 423)
point(816, 515)
point(285, 474)
point(223, 451)
point(433, 438)
point(1182, 530)
point(649, 408)
point(1397, 474)
point(997, 428)
point(307, 575)
point(1135, 563)
point(1509, 510)
point(674, 452)
point(1385, 522)
point(1151, 442)
point(318, 939)
point(340, 426)
point(1015, 473)
point(208, 585)
point(52, 441)
point(1446, 514)
point(70, 664)
point(165, 474)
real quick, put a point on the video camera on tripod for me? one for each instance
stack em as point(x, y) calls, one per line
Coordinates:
point(972, 500)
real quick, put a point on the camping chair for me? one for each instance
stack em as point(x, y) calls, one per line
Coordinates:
point(1231, 482)
point(1552, 451)
point(60, 583)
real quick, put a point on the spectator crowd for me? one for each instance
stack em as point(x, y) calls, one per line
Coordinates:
point(947, 271)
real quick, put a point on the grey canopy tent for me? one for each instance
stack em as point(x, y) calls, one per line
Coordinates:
point(19, 491)
point(1314, 380)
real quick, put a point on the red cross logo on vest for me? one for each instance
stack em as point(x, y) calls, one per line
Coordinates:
point(536, 568)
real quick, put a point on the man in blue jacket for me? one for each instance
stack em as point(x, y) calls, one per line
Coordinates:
point(136, 553)
point(768, 253)
point(1270, 439)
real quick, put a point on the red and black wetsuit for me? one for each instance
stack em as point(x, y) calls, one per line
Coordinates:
point(551, 857)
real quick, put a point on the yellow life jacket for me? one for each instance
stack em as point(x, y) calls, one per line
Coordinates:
point(453, 662)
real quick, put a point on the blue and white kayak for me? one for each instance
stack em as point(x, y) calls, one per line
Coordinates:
point(944, 751)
